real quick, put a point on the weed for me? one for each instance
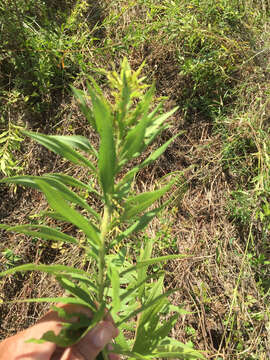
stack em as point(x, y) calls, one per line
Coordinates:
point(11, 258)
point(126, 127)
point(10, 142)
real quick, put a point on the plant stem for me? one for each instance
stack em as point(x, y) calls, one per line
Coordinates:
point(102, 252)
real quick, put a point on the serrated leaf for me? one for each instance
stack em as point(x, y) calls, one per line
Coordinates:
point(63, 339)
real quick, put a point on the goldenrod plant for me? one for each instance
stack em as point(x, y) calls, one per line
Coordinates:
point(132, 293)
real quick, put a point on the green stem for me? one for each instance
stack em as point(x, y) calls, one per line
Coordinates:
point(102, 265)
point(102, 252)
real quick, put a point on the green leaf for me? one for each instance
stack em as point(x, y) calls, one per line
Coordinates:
point(57, 202)
point(181, 351)
point(131, 289)
point(124, 104)
point(138, 225)
point(145, 254)
point(61, 300)
point(50, 269)
point(63, 339)
point(69, 180)
point(21, 180)
point(76, 291)
point(56, 194)
point(68, 194)
point(115, 283)
point(107, 157)
point(153, 130)
point(76, 142)
point(41, 231)
point(134, 142)
point(80, 96)
point(157, 153)
point(161, 259)
point(145, 307)
point(61, 147)
point(124, 185)
point(164, 330)
point(152, 262)
point(151, 311)
point(136, 204)
point(170, 348)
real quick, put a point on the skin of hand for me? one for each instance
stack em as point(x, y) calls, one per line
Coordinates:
point(15, 347)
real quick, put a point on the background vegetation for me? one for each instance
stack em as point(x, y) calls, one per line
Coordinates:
point(211, 58)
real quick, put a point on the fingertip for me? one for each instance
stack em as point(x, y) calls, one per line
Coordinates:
point(114, 357)
point(102, 334)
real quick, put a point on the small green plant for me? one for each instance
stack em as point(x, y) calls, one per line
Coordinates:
point(132, 293)
point(9, 142)
point(11, 259)
point(42, 47)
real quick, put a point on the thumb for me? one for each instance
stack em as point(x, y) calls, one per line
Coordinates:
point(96, 339)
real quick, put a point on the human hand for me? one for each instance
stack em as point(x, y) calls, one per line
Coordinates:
point(16, 348)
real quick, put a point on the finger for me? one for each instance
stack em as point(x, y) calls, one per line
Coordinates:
point(112, 356)
point(96, 339)
point(70, 354)
point(16, 347)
